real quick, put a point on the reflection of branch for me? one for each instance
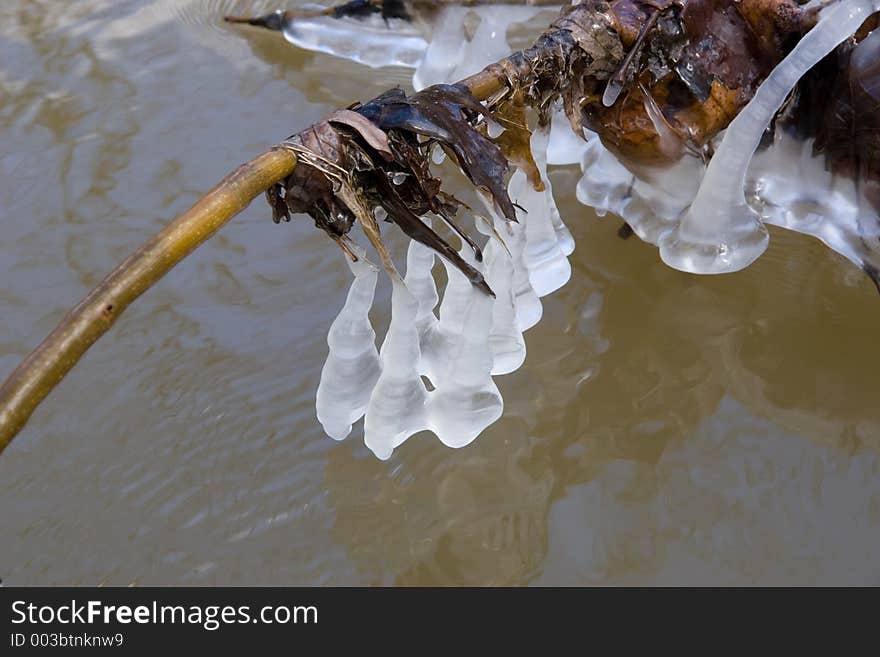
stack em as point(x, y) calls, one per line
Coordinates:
point(47, 365)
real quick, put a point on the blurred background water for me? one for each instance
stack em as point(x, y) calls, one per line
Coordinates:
point(666, 428)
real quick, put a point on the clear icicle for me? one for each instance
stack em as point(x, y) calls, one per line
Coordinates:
point(719, 232)
point(396, 408)
point(548, 268)
point(505, 339)
point(540, 151)
point(420, 282)
point(466, 399)
point(352, 366)
point(446, 50)
point(451, 56)
point(564, 146)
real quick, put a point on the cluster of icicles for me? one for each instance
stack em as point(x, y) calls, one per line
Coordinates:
point(434, 370)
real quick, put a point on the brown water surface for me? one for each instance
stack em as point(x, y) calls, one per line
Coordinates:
point(666, 428)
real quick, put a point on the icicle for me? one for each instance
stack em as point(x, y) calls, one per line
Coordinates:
point(396, 408)
point(352, 366)
point(548, 267)
point(540, 151)
point(506, 339)
point(372, 40)
point(564, 147)
point(466, 399)
point(451, 56)
point(420, 282)
point(719, 232)
point(446, 50)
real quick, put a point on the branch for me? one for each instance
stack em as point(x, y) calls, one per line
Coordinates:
point(46, 366)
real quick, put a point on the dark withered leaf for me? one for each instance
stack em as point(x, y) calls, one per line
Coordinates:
point(275, 198)
point(311, 188)
point(444, 113)
point(377, 155)
point(415, 228)
point(449, 218)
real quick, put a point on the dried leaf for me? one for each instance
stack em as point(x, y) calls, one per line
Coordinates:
point(415, 228)
point(444, 113)
point(515, 141)
point(365, 128)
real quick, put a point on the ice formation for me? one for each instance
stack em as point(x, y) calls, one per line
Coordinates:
point(710, 219)
point(352, 366)
point(439, 50)
point(719, 232)
point(435, 366)
point(452, 56)
point(372, 40)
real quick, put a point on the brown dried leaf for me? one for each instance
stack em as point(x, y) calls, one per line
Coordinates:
point(365, 128)
point(415, 228)
point(444, 113)
point(515, 141)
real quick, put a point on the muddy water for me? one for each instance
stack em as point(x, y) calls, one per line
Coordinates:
point(666, 428)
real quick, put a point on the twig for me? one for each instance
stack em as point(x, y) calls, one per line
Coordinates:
point(47, 365)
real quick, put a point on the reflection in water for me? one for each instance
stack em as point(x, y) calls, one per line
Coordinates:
point(664, 428)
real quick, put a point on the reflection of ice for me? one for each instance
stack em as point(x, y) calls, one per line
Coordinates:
point(733, 503)
point(436, 372)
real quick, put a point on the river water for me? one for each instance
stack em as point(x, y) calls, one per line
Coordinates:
point(665, 428)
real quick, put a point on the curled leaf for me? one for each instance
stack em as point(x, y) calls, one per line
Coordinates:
point(377, 155)
point(446, 113)
point(515, 141)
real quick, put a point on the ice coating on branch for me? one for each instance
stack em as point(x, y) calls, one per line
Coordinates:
point(650, 202)
point(452, 56)
point(371, 40)
point(720, 233)
point(352, 366)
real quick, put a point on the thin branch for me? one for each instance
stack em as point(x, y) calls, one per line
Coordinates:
point(44, 368)
point(47, 365)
